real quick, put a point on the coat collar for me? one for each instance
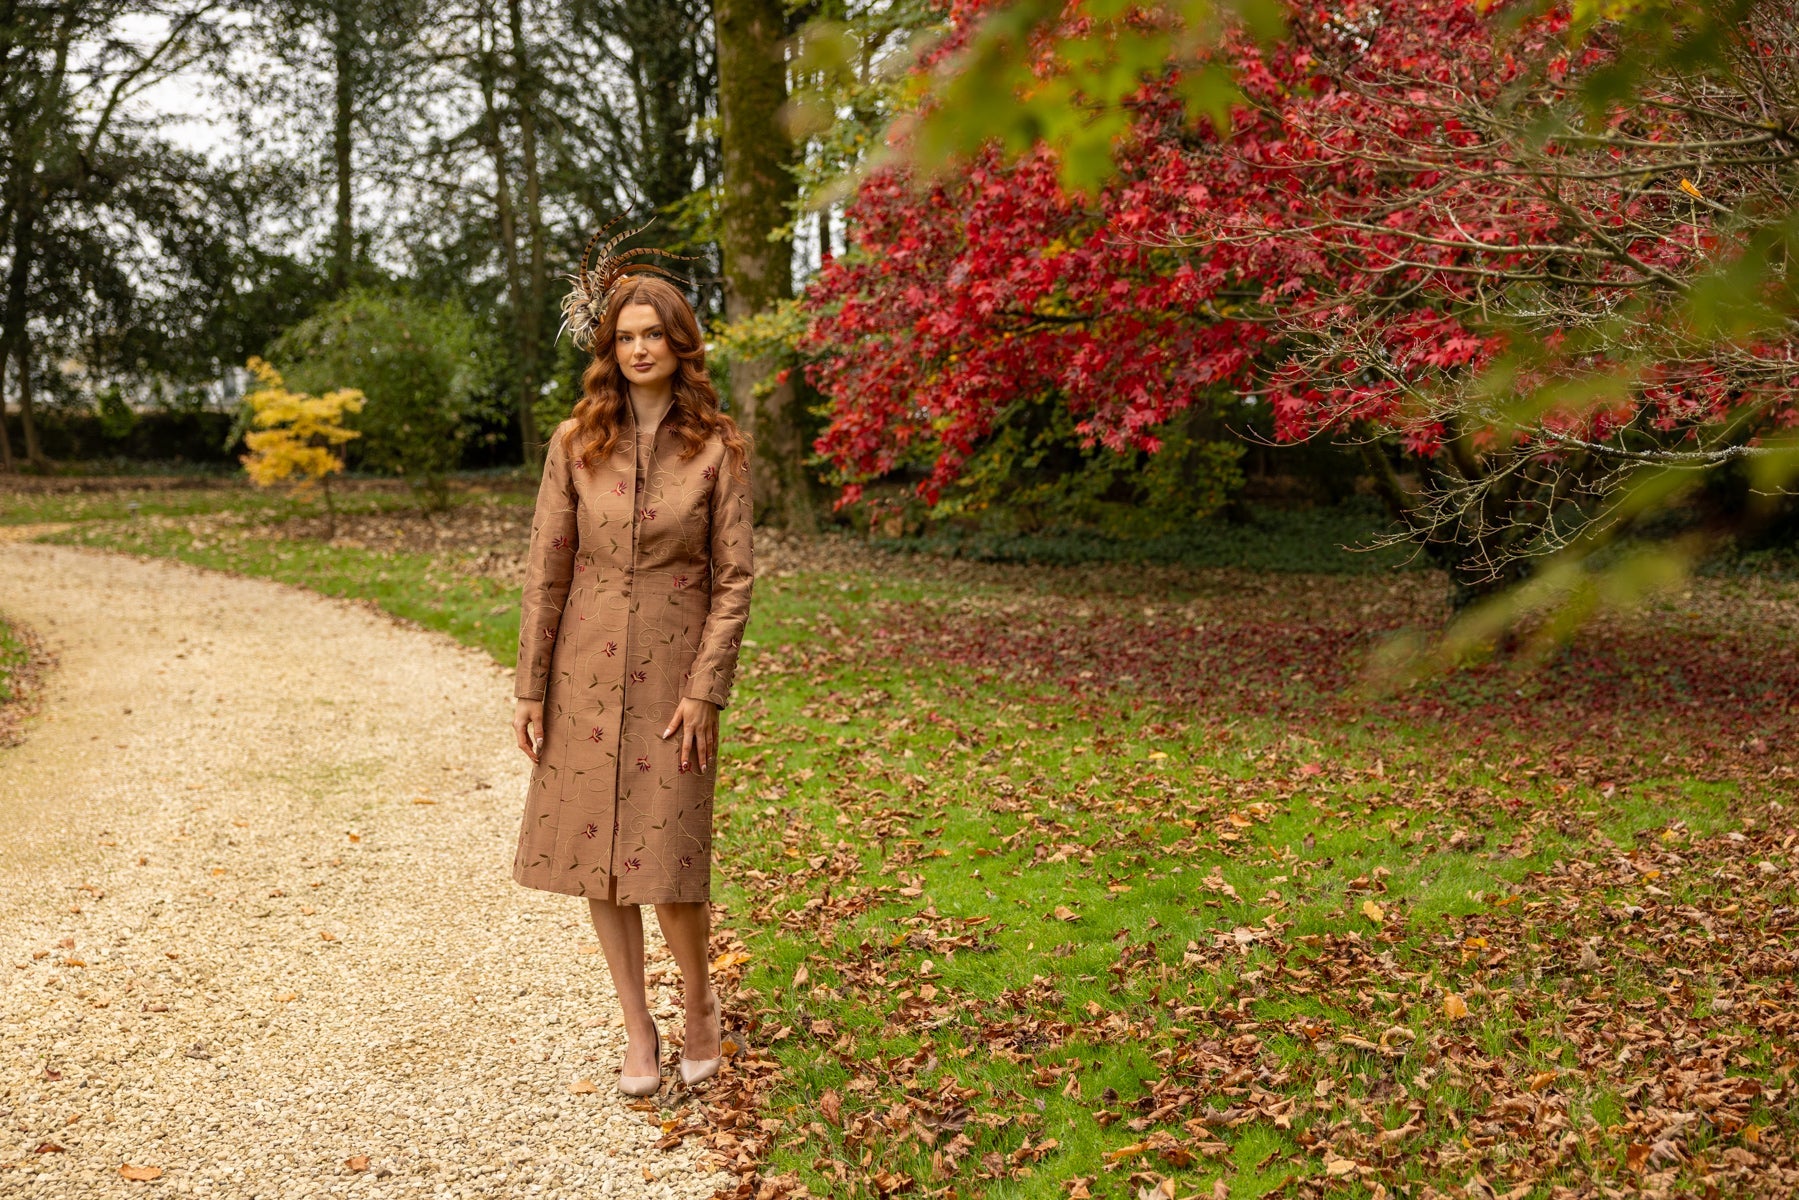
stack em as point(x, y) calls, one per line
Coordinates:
point(662, 435)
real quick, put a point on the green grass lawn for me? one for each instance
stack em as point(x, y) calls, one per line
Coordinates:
point(14, 655)
point(22, 664)
point(995, 928)
point(1034, 949)
point(113, 500)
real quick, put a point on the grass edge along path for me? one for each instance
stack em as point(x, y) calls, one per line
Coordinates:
point(24, 663)
point(984, 948)
point(412, 586)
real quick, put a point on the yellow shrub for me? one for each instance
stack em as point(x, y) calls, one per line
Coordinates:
point(295, 432)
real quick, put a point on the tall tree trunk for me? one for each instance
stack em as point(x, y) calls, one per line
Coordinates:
point(14, 343)
point(507, 219)
point(343, 50)
point(27, 198)
point(6, 460)
point(525, 92)
point(8, 17)
point(34, 453)
point(759, 189)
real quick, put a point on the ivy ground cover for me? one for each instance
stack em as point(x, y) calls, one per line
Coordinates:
point(1108, 882)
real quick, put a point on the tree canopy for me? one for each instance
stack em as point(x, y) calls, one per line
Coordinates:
point(1417, 233)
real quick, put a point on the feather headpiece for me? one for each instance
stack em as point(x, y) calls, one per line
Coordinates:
point(584, 308)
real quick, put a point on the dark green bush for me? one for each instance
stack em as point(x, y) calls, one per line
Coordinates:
point(1268, 539)
point(424, 367)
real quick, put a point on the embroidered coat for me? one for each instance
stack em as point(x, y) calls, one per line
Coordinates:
point(636, 592)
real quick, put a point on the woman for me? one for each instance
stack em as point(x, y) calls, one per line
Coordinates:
point(635, 597)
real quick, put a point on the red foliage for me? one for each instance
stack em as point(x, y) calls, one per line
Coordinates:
point(996, 284)
point(1006, 287)
point(1307, 261)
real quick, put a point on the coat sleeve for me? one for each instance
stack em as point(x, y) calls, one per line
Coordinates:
point(549, 567)
point(733, 574)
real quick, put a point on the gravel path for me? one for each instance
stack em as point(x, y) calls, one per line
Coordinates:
point(257, 920)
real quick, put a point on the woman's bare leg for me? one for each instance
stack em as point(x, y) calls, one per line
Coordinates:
point(687, 928)
point(620, 929)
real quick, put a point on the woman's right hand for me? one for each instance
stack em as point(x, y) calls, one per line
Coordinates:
point(527, 724)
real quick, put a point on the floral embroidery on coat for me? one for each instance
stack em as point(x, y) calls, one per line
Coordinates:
point(652, 553)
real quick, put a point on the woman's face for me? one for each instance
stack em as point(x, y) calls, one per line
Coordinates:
point(642, 345)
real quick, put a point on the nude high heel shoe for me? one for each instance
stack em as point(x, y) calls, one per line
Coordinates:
point(698, 1070)
point(644, 1085)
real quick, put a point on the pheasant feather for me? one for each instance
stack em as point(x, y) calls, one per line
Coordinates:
point(584, 308)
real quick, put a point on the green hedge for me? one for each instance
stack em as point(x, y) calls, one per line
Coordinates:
point(163, 437)
point(1306, 540)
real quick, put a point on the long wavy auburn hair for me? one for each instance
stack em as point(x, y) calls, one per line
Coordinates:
point(602, 413)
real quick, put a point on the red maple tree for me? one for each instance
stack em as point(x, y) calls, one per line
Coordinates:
point(962, 295)
point(1411, 238)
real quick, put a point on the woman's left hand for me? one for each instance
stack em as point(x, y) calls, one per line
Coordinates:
point(698, 722)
